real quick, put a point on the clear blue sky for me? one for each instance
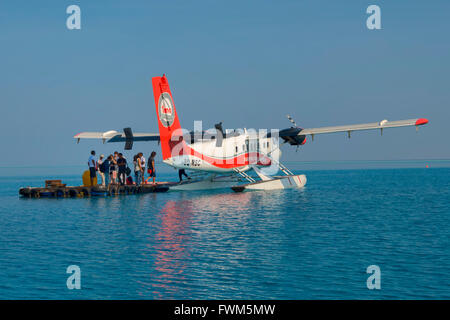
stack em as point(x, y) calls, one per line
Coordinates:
point(246, 63)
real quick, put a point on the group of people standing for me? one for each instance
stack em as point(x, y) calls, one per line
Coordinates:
point(139, 163)
point(114, 169)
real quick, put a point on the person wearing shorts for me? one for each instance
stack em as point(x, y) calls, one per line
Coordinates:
point(143, 160)
point(92, 163)
point(100, 169)
point(151, 167)
point(115, 173)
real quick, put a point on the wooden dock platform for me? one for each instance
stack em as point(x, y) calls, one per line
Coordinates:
point(55, 189)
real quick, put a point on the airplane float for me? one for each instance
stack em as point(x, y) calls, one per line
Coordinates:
point(225, 157)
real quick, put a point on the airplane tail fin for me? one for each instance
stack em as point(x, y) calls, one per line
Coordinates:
point(168, 121)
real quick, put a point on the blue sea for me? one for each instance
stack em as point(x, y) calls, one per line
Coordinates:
point(310, 243)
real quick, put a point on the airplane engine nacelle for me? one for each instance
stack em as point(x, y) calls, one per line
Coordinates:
point(292, 136)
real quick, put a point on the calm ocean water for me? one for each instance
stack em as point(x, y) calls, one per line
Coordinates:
point(312, 243)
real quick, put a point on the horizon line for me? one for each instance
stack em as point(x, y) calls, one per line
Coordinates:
point(287, 161)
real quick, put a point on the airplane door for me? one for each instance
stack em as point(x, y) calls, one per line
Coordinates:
point(253, 149)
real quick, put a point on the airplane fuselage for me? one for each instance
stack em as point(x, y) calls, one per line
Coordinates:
point(239, 150)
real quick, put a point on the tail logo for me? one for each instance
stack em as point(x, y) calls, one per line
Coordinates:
point(165, 107)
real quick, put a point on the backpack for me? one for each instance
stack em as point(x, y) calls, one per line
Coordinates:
point(102, 167)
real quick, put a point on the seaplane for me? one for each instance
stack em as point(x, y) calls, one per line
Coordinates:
point(224, 158)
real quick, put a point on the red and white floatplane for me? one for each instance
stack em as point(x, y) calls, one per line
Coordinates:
point(223, 159)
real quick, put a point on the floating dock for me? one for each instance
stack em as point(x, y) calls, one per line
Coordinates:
point(56, 189)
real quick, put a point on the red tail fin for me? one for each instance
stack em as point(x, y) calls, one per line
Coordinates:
point(167, 115)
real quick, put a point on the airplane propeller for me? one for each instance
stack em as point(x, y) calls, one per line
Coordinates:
point(291, 120)
point(219, 137)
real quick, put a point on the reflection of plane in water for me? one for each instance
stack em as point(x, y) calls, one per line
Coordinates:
point(174, 240)
point(171, 250)
point(202, 228)
point(220, 153)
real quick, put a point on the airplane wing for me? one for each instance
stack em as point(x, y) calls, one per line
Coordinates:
point(297, 136)
point(366, 126)
point(114, 136)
